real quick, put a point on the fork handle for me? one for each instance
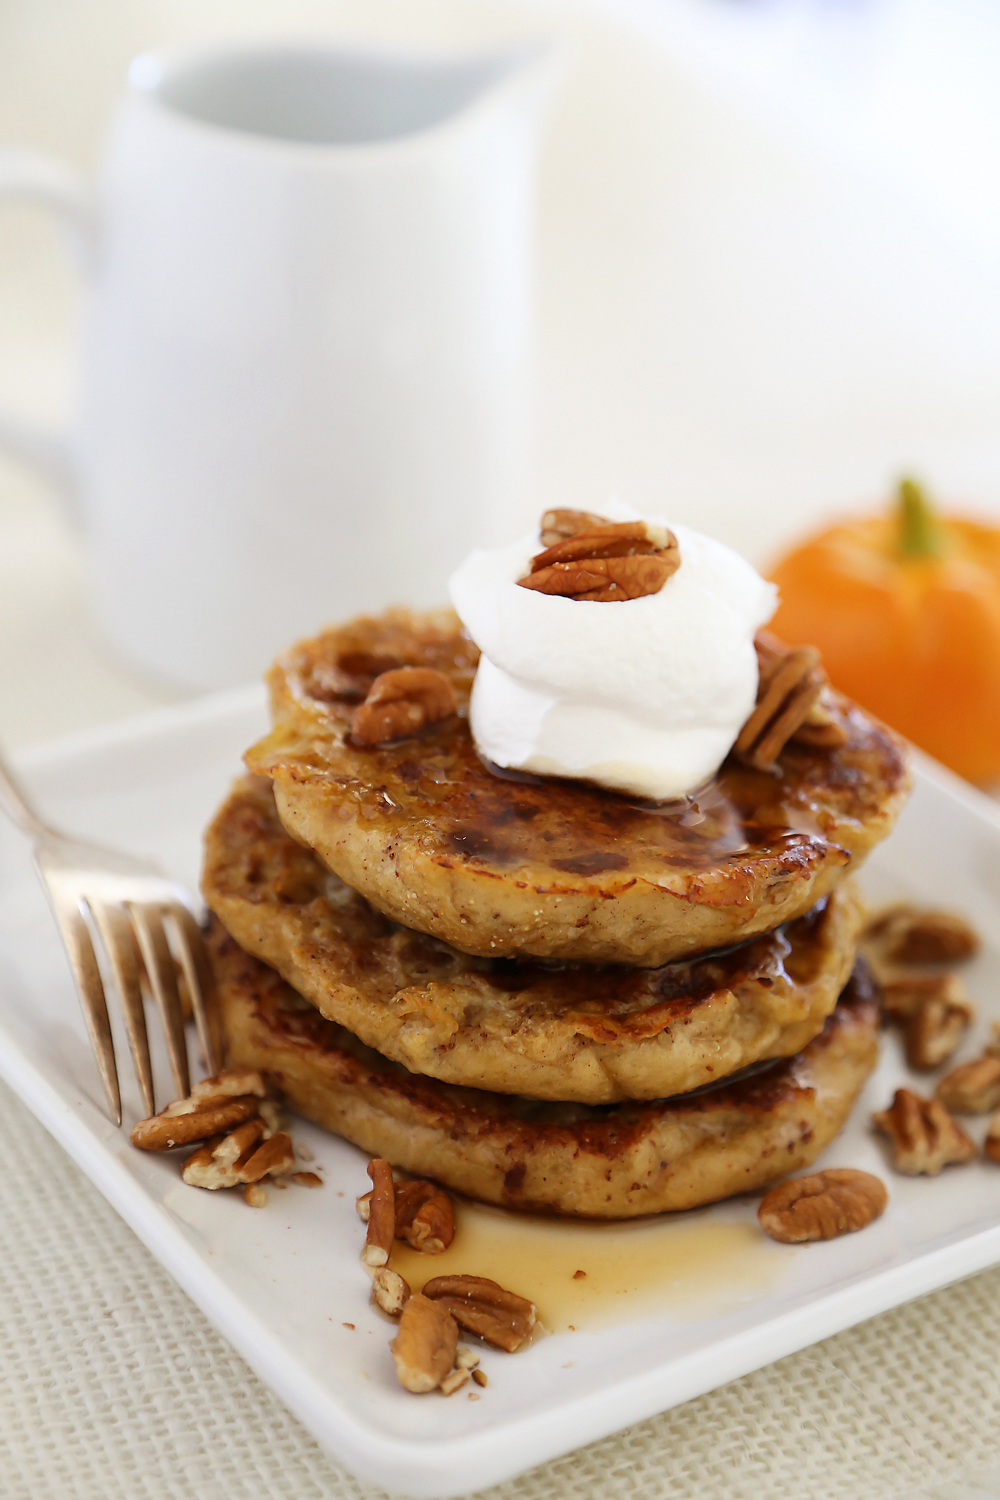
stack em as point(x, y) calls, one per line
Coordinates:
point(16, 805)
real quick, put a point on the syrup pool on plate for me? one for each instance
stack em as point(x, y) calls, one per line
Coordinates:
point(687, 1267)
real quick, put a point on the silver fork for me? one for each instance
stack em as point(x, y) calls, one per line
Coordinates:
point(131, 906)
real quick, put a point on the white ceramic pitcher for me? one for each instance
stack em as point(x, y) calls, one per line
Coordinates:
point(306, 338)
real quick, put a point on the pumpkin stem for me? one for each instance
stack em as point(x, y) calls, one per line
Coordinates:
point(919, 530)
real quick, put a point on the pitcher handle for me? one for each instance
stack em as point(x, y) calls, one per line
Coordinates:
point(32, 177)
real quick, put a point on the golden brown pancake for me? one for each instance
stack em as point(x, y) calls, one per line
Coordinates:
point(590, 1033)
point(616, 1162)
point(501, 866)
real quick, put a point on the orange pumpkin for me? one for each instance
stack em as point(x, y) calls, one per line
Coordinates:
point(905, 608)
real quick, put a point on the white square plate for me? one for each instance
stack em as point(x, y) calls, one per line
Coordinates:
point(282, 1284)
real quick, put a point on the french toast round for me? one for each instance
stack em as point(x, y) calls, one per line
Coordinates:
point(593, 1034)
point(616, 1162)
point(501, 865)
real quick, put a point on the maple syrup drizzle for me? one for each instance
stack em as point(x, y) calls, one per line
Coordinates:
point(685, 1267)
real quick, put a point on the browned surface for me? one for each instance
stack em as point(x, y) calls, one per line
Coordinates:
point(498, 865)
point(556, 1031)
point(618, 1161)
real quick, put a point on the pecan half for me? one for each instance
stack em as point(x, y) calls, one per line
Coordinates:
point(390, 1291)
point(424, 1217)
point(935, 1012)
point(423, 1350)
point(823, 1206)
point(307, 1179)
point(242, 1156)
point(991, 1145)
point(557, 525)
point(610, 561)
point(922, 1134)
point(381, 1214)
point(907, 934)
point(214, 1105)
point(401, 703)
point(482, 1307)
point(972, 1088)
point(790, 688)
point(821, 726)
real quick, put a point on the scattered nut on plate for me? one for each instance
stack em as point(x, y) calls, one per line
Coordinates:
point(480, 1306)
point(913, 935)
point(423, 1350)
point(822, 1206)
point(423, 1216)
point(238, 1123)
point(381, 1214)
point(390, 1291)
point(935, 1013)
point(923, 1137)
point(972, 1088)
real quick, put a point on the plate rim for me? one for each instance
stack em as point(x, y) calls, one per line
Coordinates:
point(441, 1469)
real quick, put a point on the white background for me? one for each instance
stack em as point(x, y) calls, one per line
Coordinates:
point(769, 233)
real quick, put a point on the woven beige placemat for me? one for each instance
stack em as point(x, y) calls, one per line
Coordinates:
point(113, 1384)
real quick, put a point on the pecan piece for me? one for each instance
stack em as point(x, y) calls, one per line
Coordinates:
point(935, 1012)
point(922, 1134)
point(482, 1307)
point(823, 1206)
point(381, 1214)
point(424, 1347)
point(991, 1145)
point(401, 703)
point(390, 1291)
point(821, 727)
point(424, 1217)
point(307, 1179)
point(215, 1104)
point(557, 525)
point(972, 1088)
point(183, 1128)
point(908, 934)
point(789, 690)
point(454, 1382)
point(610, 561)
point(242, 1156)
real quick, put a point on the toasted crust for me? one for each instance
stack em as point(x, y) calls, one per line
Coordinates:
point(615, 1162)
point(556, 869)
point(586, 1033)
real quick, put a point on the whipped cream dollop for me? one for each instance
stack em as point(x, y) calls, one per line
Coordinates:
point(644, 695)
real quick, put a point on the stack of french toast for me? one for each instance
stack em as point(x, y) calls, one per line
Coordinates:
point(540, 992)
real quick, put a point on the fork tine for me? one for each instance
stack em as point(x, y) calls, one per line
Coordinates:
point(116, 934)
point(198, 973)
point(162, 974)
point(80, 951)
